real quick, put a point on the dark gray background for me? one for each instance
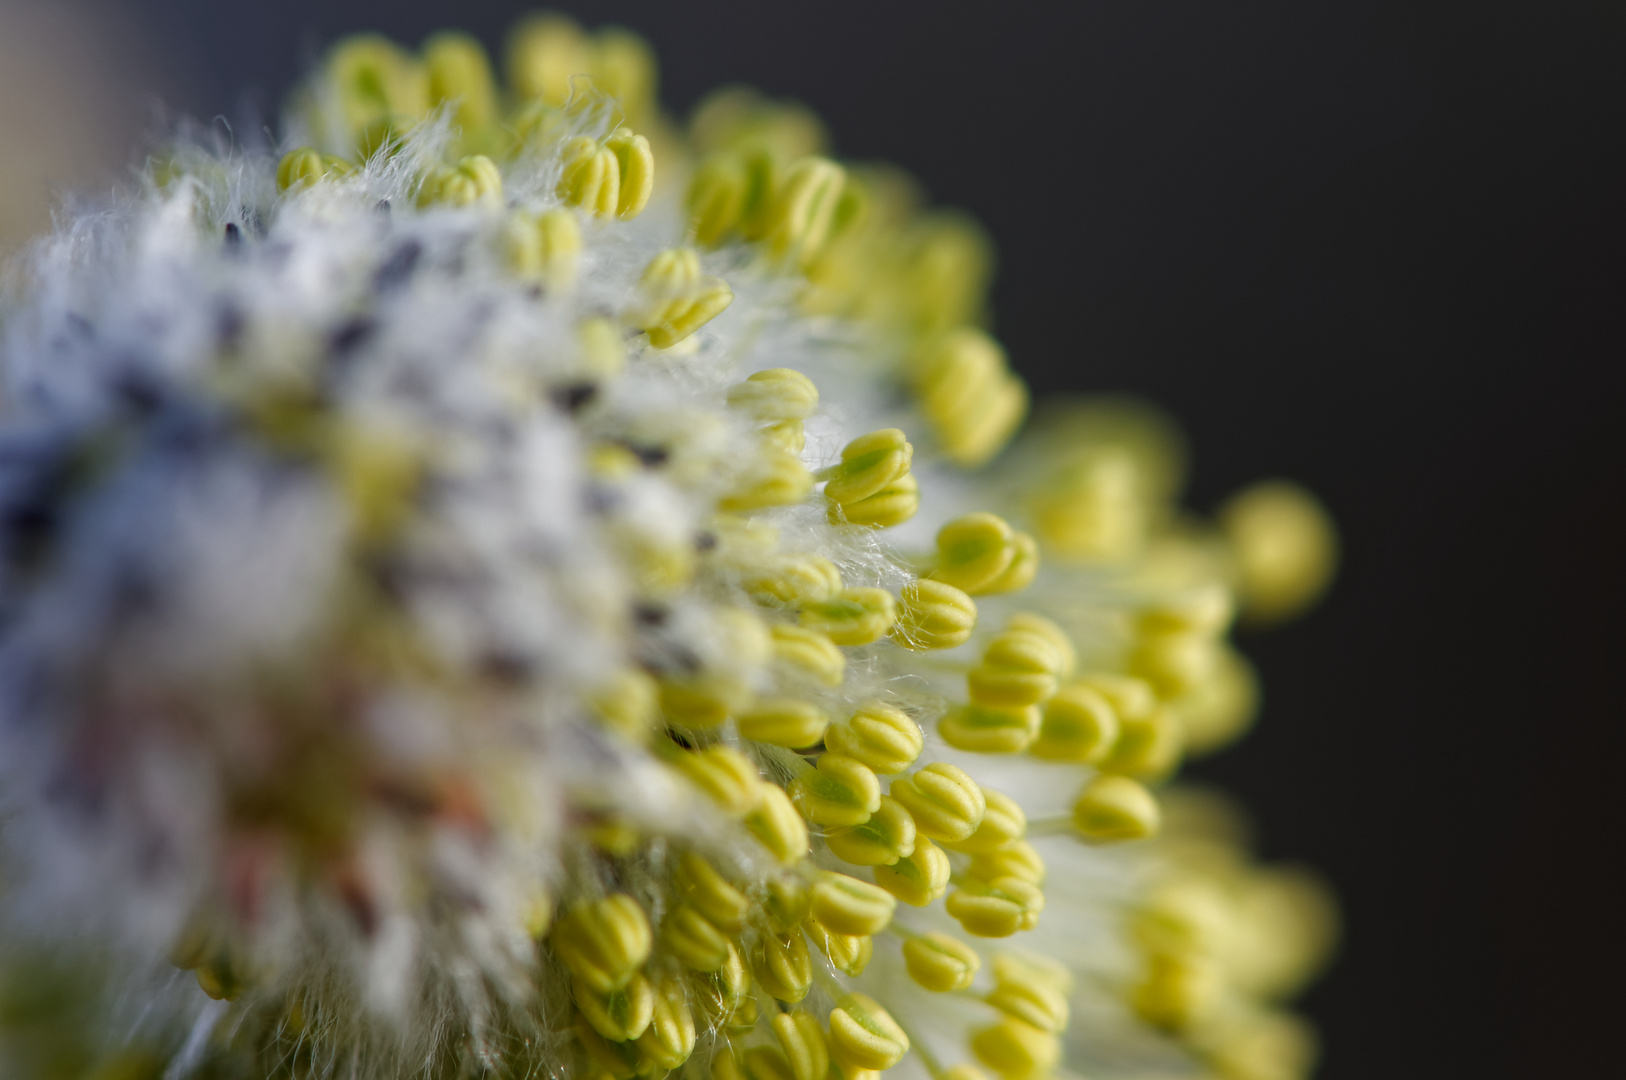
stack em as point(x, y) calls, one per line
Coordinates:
point(1373, 246)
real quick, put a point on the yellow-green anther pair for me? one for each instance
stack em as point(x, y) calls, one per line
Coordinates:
point(619, 1015)
point(1018, 860)
point(845, 905)
point(460, 73)
point(720, 196)
point(967, 391)
point(886, 837)
point(304, 167)
point(1284, 548)
point(981, 555)
point(612, 177)
point(1112, 809)
point(783, 967)
point(990, 729)
point(699, 883)
point(775, 394)
point(856, 616)
point(776, 822)
point(546, 247)
point(849, 954)
point(802, 1053)
point(546, 51)
point(941, 963)
point(871, 485)
point(1003, 824)
point(776, 477)
point(669, 1039)
point(1079, 724)
point(1022, 665)
point(1032, 1001)
point(679, 300)
point(879, 735)
point(1016, 1050)
point(933, 615)
point(604, 942)
point(794, 579)
point(946, 803)
point(378, 89)
point(474, 181)
point(725, 776)
point(799, 220)
point(864, 1036)
point(997, 908)
point(809, 652)
point(838, 791)
point(788, 722)
point(918, 879)
point(688, 935)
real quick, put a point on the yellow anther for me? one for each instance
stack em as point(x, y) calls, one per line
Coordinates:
point(1261, 1044)
point(1220, 710)
point(856, 616)
point(1131, 698)
point(864, 1036)
point(544, 52)
point(967, 391)
point(840, 790)
point(621, 1014)
point(775, 394)
point(303, 167)
point(1203, 610)
point(1285, 547)
point(637, 167)
point(628, 704)
point(379, 89)
point(940, 962)
point(691, 937)
point(1020, 668)
point(973, 551)
point(767, 1063)
point(950, 263)
point(798, 221)
point(616, 1060)
point(946, 803)
point(698, 882)
point(1018, 860)
point(889, 507)
point(1175, 663)
point(740, 644)
point(1079, 725)
point(1022, 968)
point(1148, 748)
point(1031, 1001)
point(726, 776)
point(603, 349)
point(1177, 992)
point(990, 730)
point(997, 908)
point(546, 247)
point(1113, 809)
point(614, 837)
point(669, 1039)
point(809, 652)
point(603, 942)
point(783, 967)
point(777, 824)
point(933, 615)
point(1026, 622)
point(787, 435)
point(474, 181)
point(679, 300)
point(729, 984)
point(623, 66)
point(1003, 824)
point(849, 954)
point(1186, 916)
point(459, 71)
point(801, 1037)
point(868, 464)
point(788, 902)
point(776, 478)
point(1020, 574)
point(718, 198)
point(918, 879)
point(795, 579)
point(537, 914)
point(886, 837)
point(845, 905)
point(1016, 1051)
point(879, 735)
point(1286, 927)
point(788, 722)
point(615, 176)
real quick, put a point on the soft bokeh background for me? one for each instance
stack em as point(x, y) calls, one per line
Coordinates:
point(1376, 247)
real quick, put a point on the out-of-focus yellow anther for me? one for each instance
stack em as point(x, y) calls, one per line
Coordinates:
point(1261, 1044)
point(950, 262)
point(616, 1060)
point(669, 1039)
point(985, 729)
point(1286, 925)
point(546, 247)
point(690, 936)
point(723, 994)
point(849, 954)
point(1175, 663)
point(379, 89)
point(474, 181)
point(963, 1072)
point(1079, 725)
point(544, 52)
point(614, 837)
point(801, 1037)
point(879, 735)
point(798, 220)
point(717, 198)
point(1131, 698)
point(726, 776)
point(603, 942)
point(946, 803)
point(1223, 707)
point(303, 167)
point(854, 616)
point(886, 837)
point(891, 506)
point(787, 903)
point(940, 962)
point(628, 704)
point(603, 349)
point(1204, 610)
point(864, 1036)
point(973, 551)
point(1031, 1001)
point(777, 824)
point(1148, 748)
point(1176, 992)
point(794, 579)
point(1188, 915)
point(1028, 623)
point(1093, 507)
point(459, 71)
point(776, 478)
point(868, 464)
point(618, 1015)
point(1021, 968)
point(1020, 667)
point(679, 300)
point(1015, 1050)
point(968, 393)
point(1018, 860)
point(1003, 824)
point(933, 615)
point(787, 435)
point(1020, 573)
point(1285, 548)
point(838, 791)
point(783, 967)
point(537, 914)
point(699, 883)
point(788, 722)
point(809, 652)
point(623, 66)
point(767, 1063)
point(920, 878)
point(997, 908)
point(1112, 809)
point(775, 394)
point(612, 177)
